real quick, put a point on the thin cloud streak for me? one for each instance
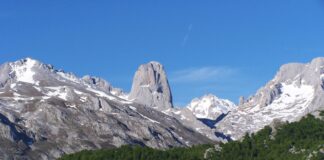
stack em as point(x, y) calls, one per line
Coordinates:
point(186, 37)
point(203, 74)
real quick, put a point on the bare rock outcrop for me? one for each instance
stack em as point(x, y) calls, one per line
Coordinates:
point(151, 87)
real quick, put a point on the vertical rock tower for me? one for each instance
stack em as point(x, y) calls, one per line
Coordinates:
point(151, 87)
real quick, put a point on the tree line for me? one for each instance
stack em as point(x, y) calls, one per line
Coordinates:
point(288, 141)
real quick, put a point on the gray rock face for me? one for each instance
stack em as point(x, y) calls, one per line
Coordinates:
point(103, 85)
point(151, 87)
point(5, 76)
point(241, 100)
point(296, 90)
point(98, 82)
point(45, 113)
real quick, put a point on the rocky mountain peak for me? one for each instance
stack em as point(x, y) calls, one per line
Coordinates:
point(98, 82)
point(22, 70)
point(30, 63)
point(241, 100)
point(151, 87)
point(296, 74)
point(210, 106)
point(318, 62)
point(295, 91)
point(26, 61)
point(103, 85)
point(33, 72)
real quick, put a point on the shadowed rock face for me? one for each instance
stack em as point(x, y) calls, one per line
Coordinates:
point(45, 113)
point(151, 87)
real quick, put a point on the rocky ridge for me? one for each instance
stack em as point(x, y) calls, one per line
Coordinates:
point(45, 113)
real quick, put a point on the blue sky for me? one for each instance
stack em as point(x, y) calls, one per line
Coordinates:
point(225, 47)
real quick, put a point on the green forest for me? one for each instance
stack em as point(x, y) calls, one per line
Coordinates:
point(289, 141)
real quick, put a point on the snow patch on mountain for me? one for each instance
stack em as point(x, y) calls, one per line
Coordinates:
point(291, 93)
point(59, 92)
point(25, 72)
point(210, 107)
point(34, 72)
point(291, 105)
point(69, 77)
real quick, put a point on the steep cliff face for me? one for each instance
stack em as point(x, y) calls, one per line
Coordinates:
point(151, 87)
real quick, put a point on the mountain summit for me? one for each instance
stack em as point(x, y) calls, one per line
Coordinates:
point(210, 107)
point(151, 87)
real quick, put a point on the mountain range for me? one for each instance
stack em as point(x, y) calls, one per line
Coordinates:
point(45, 112)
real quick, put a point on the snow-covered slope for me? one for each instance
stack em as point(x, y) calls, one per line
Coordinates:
point(296, 90)
point(210, 107)
point(45, 113)
point(34, 72)
point(202, 114)
point(48, 82)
